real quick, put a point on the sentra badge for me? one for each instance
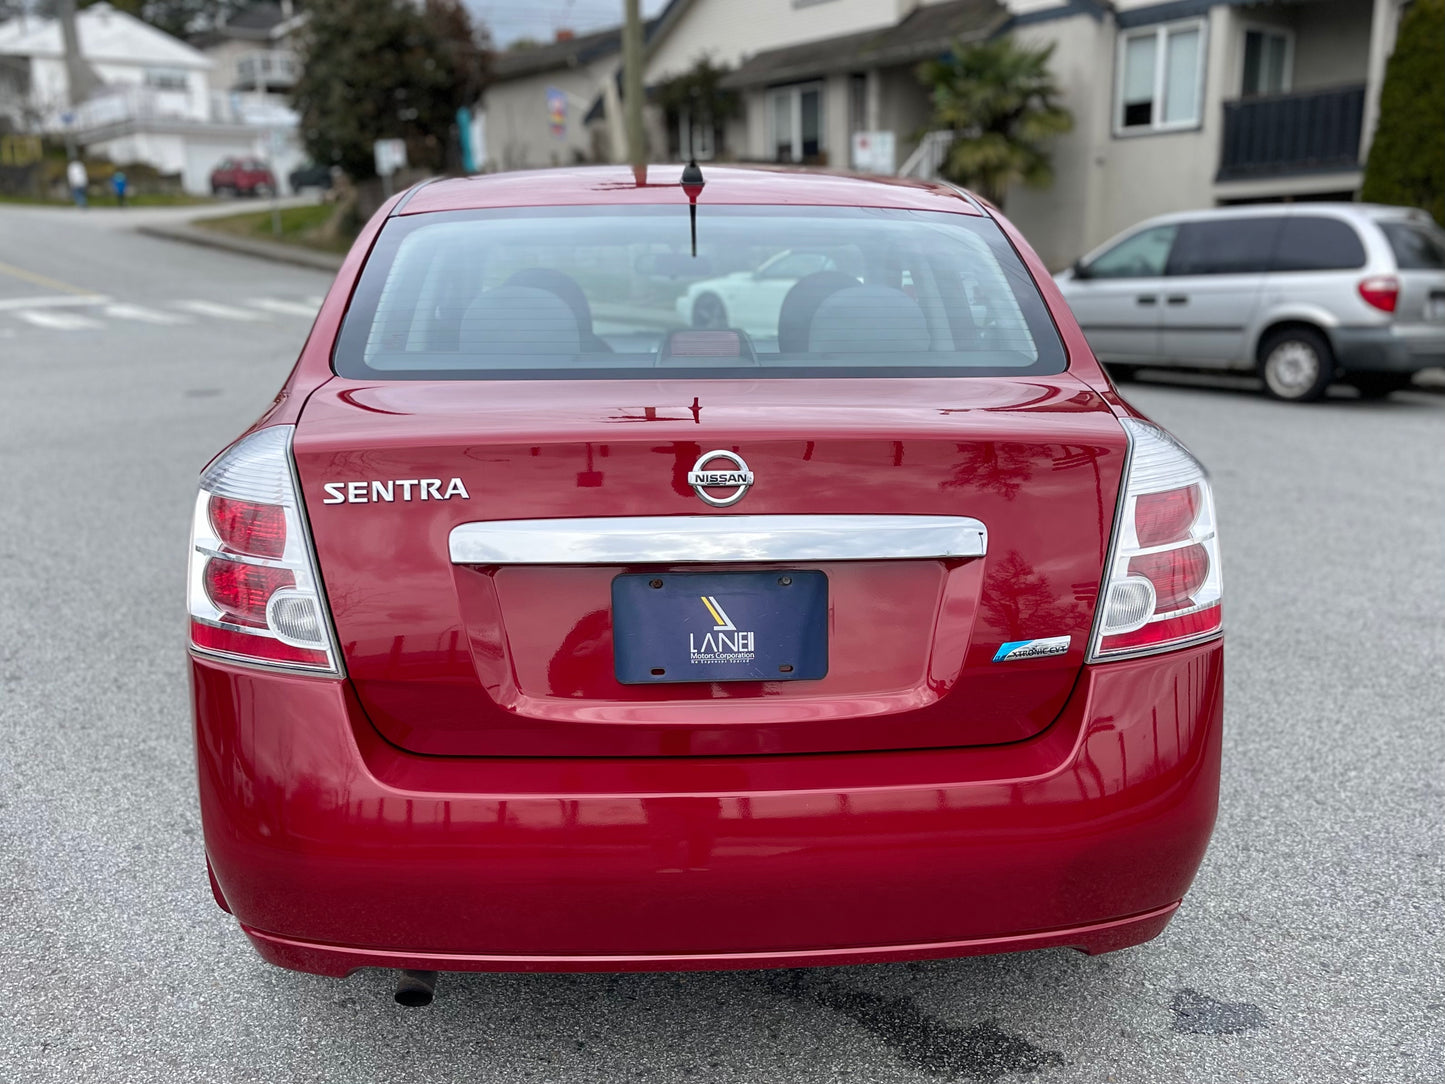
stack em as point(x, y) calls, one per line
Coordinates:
point(725, 643)
point(395, 489)
point(738, 477)
point(1031, 649)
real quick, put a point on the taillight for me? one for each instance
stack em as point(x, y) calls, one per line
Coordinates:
point(254, 592)
point(1381, 291)
point(1163, 588)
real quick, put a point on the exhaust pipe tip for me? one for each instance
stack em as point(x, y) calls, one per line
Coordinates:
point(415, 989)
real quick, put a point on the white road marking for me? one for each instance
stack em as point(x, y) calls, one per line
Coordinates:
point(147, 316)
point(59, 321)
point(224, 312)
point(288, 308)
point(51, 301)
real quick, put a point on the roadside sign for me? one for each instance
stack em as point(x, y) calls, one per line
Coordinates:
point(390, 156)
point(557, 111)
point(873, 152)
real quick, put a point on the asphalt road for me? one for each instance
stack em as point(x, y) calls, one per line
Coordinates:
point(1309, 950)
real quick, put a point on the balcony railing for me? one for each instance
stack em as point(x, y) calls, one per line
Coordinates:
point(1313, 132)
point(273, 69)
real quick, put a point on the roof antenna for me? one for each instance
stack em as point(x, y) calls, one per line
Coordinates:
point(692, 183)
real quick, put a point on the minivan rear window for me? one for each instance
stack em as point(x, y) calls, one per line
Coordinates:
point(1416, 247)
point(592, 292)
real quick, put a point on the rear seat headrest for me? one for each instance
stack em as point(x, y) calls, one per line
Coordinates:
point(868, 319)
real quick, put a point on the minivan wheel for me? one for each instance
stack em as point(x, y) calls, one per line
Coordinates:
point(1379, 385)
point(1297, 364)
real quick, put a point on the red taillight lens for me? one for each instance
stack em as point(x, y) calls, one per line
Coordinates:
point(1162, 585)
point(252, 646)
point(1165, 517)
point(245, 527)
point(1177, 575)
point(254, 591)
point(1381, 291)
point(241, 591)
point(1185, 626)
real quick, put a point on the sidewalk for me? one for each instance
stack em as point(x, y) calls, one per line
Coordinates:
point(278, 251)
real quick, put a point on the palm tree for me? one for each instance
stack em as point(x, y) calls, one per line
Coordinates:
point(1000, 101)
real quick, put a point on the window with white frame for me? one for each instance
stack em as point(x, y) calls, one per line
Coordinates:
point(796, 122)
point(1268, 57)
point(166, 78)
point(1161, 77)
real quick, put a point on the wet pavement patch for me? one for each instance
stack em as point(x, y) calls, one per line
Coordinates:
point(1200, 1014)
point(982, 1051)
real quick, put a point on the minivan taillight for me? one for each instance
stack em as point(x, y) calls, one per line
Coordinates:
point(1381, 291)
point(1162, 587)
point(254, 591)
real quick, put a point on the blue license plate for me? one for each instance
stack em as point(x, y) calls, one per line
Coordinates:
point(720, 626)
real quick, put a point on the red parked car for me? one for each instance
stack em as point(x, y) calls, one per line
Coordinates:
point(242, 177)
point(532, 629)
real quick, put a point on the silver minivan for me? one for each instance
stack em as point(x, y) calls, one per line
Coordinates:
point(1304, 294)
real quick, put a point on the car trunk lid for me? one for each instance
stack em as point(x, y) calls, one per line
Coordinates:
point(461, 654)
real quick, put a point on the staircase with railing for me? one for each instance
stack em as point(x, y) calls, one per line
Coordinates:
point(928, 157)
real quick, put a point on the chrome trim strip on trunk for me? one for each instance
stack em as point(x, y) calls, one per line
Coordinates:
point(628, 540)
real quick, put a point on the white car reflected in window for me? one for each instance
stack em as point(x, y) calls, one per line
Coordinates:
point(750, 300)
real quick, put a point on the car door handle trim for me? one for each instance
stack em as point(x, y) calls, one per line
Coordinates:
point(1178, 299)
point(626, 540)
point(1146, 299)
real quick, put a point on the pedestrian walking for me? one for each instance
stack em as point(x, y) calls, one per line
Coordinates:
point(118, 183)
point(78, 180)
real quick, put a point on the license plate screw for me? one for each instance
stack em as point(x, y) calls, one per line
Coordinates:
point(784, 581)
point(654, 584)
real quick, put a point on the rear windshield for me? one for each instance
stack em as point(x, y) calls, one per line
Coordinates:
point(619, 292)
point(1417, 247)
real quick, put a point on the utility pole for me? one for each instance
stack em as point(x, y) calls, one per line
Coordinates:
point(80, 78)
point(632, 86)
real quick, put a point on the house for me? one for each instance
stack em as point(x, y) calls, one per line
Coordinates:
point(1177, 104)
point(1201, 103)
point(252, 53)
point(154, 104)
point(537, 103)
point(125, 53)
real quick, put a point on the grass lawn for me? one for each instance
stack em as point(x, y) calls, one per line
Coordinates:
point(156, 199)
point(299, 226)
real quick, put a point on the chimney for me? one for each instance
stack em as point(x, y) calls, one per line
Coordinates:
point(565, 34)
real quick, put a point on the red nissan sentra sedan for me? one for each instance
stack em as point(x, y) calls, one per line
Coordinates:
point(534, 630)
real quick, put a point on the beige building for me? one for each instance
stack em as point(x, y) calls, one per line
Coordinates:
point(1178, 104)
point(536, 108)
point(1196, 104)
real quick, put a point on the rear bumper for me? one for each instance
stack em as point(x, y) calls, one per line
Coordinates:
point(337, 851)
point(1390, 349)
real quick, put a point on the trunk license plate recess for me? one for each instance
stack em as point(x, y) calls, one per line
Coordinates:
point(720, 626)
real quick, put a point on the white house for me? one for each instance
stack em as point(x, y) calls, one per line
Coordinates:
point(155, 103)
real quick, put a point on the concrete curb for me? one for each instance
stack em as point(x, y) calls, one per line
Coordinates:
point(245, 246)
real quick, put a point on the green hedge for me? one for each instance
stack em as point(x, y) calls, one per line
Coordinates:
point(1407, 160)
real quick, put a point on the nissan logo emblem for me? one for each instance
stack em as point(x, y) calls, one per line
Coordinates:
point(734, 476)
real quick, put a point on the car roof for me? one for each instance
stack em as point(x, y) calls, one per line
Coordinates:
point(662, 184)
point(1329, 208)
